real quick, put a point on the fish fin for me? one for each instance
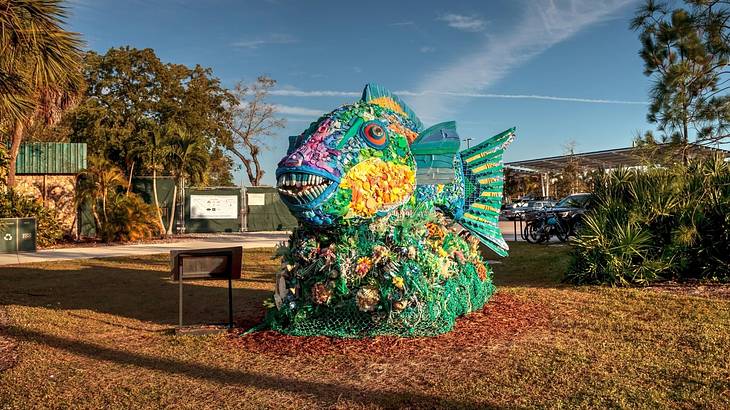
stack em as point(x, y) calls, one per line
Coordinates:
point(293, 139)
point(483, 183)
point(434, 150)
point(375, 94)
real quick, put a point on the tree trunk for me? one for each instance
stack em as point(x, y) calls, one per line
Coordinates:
point(103, 207)
point(129, 183)
point(97, 221)
point(259, 171)
point(171, 219)
point(685, 137)
point(17, 138)
point(157, 202)
point(246, 163)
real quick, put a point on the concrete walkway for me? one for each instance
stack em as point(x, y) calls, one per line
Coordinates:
point(246, 239)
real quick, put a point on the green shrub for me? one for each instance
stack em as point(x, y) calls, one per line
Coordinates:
point(15, 205)
point(662, 223)
point(129, 219)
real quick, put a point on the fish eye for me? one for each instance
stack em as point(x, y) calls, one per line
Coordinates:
point(374, 134)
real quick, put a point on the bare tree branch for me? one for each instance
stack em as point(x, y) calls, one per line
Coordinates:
point(252, 120)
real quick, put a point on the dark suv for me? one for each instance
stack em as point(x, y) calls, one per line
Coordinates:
point(576, 202)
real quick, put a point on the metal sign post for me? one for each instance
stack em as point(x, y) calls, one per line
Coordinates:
point(207, 270)
point(180, 279)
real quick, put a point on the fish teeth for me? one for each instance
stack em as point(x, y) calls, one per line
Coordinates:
point(301, 188)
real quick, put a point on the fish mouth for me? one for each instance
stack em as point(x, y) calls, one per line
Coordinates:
point(303, 187)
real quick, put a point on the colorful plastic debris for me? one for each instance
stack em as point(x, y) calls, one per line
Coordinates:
point(391, 216)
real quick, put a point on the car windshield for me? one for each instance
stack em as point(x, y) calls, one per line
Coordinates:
point(573, 201)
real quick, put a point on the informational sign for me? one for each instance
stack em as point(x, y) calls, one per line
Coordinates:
point(213, 206)
point(256, 199)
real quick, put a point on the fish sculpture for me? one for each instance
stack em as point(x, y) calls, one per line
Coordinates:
point(391, 215)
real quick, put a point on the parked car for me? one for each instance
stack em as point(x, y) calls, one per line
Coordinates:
point(511, 211)
point(571, 209)
point(520, 209)
point(581, 201)
point(540, 204)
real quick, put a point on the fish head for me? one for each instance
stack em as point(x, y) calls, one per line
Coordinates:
point(352, 164)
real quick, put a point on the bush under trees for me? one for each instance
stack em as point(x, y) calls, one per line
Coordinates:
point(658, 224)
point(129, 219)
point(119, 215)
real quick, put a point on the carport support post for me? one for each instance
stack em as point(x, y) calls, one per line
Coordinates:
point(545, 184)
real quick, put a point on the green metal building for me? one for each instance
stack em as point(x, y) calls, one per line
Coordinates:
point(50, 158)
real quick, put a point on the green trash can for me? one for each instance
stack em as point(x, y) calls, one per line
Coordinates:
point(8, 235)
point(26, 234)
point(17, 235)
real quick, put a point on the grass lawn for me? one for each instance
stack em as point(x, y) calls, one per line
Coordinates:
point(97, 333)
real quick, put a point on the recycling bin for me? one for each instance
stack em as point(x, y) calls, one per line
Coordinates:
point(17, 235)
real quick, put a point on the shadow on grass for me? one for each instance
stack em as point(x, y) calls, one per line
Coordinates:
point(140, 288)
point(142, 294)
point(327, 393)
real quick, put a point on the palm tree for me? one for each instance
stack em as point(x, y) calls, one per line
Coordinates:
point(97, 182)
point(151, 149)
point(40, 68)
point(189, 158)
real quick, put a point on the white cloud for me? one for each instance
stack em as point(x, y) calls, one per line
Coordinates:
point(302, 120)
point(426, 49)
point(427, 93)
point(543, 24)
point(292, 110)
point(276, 38)
point(402, 23)
point(316, 93)
point(464, 23)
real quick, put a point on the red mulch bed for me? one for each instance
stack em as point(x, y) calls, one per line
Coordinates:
point(503, 318)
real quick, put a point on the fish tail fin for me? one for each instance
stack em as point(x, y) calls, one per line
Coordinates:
point(483, 184)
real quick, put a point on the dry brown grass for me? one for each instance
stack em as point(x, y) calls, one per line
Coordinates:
point(97, 333)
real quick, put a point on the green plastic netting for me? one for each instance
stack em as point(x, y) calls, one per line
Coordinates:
point(410, 273)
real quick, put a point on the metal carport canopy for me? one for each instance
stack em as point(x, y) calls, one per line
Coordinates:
point(606, 159)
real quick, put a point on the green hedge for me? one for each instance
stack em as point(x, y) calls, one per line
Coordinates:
point(657, 224)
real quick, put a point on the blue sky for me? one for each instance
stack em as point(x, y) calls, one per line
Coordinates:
point(558, 70)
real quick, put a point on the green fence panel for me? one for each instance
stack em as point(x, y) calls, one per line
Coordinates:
point(86, 226)
point(142, 185)
point(266, 212)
